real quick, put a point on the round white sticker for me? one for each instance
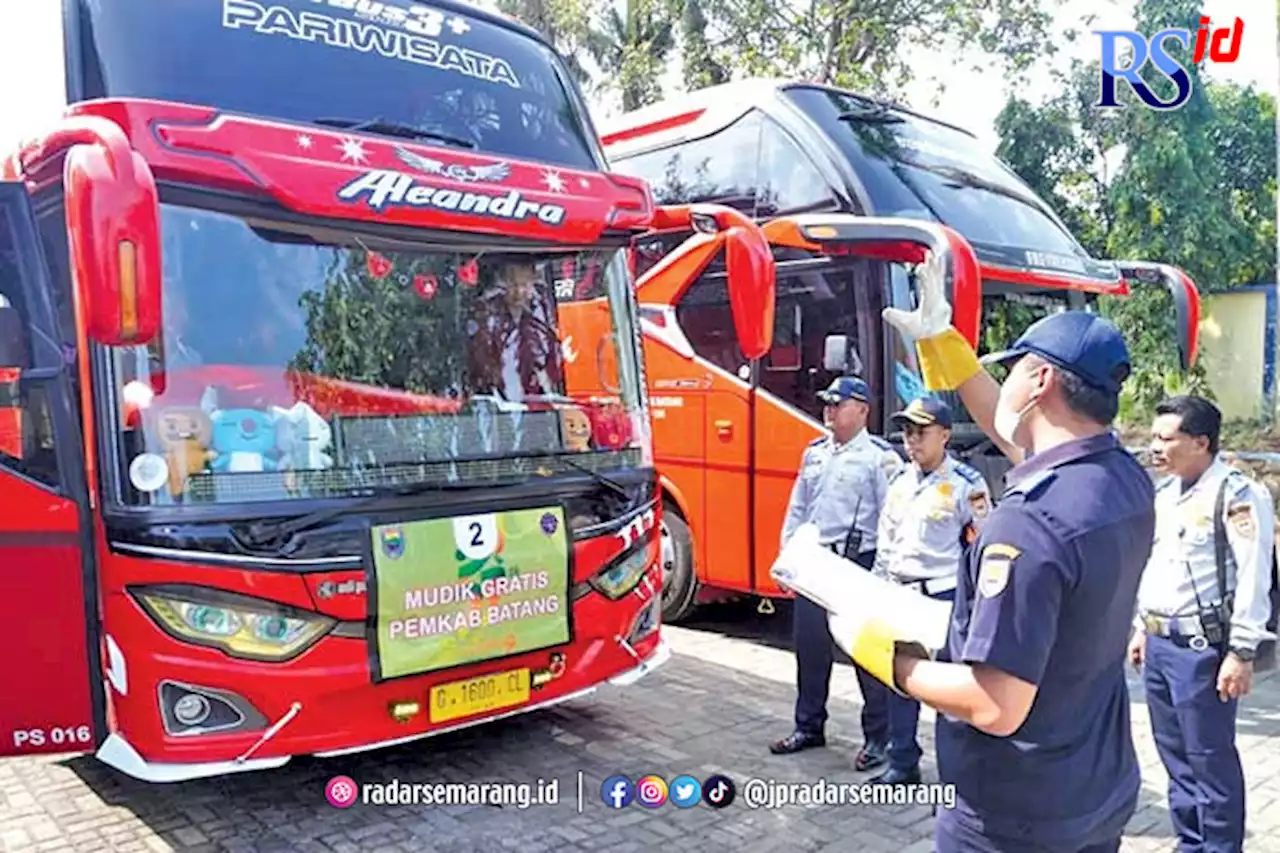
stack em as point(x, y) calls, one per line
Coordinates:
point(148, 471)
point(476, 535)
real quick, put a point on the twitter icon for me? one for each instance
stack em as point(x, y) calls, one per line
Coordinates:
point(685, 792)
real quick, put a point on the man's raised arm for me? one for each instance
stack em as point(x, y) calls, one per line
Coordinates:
point(947, 362)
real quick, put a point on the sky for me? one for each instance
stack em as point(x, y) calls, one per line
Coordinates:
point(29, 52)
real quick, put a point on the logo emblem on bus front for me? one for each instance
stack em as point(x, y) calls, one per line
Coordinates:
point(393, 542)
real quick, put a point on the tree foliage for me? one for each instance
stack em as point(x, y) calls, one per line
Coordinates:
point(1193, 187)
point(863, 44)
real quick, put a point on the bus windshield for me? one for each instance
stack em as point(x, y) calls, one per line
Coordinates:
point(920, 169)
point(1006, 313)
point(458, 79)
point(296, 362)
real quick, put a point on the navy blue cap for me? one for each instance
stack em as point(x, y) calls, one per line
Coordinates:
point(925, 411)
point(844, 388)
point(1081, 342)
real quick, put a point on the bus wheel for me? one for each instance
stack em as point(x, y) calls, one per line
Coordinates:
point(679, 582)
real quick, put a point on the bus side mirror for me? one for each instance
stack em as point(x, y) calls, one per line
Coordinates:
point(113, 218)
point(752, 284)
point(839, 355)
point(1186, 302)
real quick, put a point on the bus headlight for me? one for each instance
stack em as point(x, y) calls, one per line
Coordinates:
point(625, 573)
point(241, 626)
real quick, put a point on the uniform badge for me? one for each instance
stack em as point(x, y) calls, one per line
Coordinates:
point(979, 504)
point(1241, 518)
point(993, 570)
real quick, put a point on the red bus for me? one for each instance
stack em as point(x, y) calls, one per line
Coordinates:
point(853, 193)
point(295, 455)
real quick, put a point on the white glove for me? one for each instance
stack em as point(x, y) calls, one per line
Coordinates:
point(933, 315)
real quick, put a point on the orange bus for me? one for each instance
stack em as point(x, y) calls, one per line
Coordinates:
point(852, 192)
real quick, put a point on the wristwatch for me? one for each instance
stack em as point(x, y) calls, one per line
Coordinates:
point(1246, 655)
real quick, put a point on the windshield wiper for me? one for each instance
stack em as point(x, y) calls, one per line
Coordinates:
point(607, 482)
point(276, 531)
point(381, 126)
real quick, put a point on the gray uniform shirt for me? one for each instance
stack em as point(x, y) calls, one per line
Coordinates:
point(1183, 567)
point(842, 487)
point(926, 518)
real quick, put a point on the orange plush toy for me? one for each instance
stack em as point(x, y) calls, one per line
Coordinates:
point(185, 434)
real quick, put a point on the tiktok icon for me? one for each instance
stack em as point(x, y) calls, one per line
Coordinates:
point(718, 791)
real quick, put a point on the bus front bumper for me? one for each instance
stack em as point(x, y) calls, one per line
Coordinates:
point(118, 753)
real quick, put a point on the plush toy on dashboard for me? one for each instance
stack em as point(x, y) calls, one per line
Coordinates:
point(244, 439)
point(185, 433)
point(303, 437)
point(576, 428)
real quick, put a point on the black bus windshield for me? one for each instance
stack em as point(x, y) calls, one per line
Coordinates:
point(921, 169)
point(397, 62)
point(1006, 314)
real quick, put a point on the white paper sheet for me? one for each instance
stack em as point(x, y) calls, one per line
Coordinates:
point(853, 596)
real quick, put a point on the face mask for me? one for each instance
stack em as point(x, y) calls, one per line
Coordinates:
point(1006, 420)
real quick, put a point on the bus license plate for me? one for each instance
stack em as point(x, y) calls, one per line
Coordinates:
point(476, 695)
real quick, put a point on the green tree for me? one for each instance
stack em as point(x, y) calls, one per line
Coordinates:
point(865, 44)
point(377, 329)
point(566, 24)
point(632, 47)
point(1194, 187)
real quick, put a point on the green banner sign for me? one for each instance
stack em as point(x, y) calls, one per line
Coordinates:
point(471, 588)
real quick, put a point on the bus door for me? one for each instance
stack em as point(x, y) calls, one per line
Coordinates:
point(819, 299)
point(52, 695)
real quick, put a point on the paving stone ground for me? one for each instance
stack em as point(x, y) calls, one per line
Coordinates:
point(727, 691)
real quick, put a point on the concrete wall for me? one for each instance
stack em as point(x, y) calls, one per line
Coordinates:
point(1238, 346)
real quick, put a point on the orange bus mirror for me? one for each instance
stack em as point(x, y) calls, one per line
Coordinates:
point(751, 275)
point(113, 217)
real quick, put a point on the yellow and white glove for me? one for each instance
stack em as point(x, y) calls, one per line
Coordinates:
point(946, 359)
point(871, 618)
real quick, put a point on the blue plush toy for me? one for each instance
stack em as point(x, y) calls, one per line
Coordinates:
point(244, 439)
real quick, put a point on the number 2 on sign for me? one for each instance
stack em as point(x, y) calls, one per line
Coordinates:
point(476, 535)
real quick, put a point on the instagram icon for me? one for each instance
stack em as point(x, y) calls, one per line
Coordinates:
point(651, 791)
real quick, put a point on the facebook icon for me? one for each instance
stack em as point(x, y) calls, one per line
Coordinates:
point(617, 792)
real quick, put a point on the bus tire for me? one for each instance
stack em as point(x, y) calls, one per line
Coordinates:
point(679, 581)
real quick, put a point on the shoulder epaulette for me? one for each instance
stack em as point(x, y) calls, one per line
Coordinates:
point(969, 473)
point(881, 443)
point(1030, 486)
point(1240, 482)
point(816, 441)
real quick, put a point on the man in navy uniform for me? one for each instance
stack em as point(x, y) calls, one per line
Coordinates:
point(933, 511)
point(841, 488)
point(1203, 607)
point(1033, 725)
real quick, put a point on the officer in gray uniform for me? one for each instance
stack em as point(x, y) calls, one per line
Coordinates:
point(933, 511)
point(1203, 607)
point(841, 488)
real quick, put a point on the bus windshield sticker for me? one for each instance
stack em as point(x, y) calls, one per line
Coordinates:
point(454, 591)
point(418, 43)
point(383, 187)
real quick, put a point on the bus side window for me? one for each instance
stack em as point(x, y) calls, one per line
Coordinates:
point(751, 164)
point(706, 319)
